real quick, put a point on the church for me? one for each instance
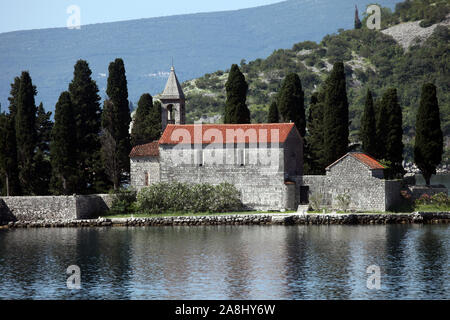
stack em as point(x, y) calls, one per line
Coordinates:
point(263, 161)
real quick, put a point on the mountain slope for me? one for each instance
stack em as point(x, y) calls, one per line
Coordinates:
point(372, 59)
point(199, 43)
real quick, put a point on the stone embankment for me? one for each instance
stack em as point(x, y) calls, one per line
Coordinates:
point(251, 219)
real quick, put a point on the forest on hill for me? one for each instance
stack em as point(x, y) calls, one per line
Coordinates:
point(372, 60)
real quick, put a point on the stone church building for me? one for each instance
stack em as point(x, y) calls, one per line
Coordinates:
point(263, 161)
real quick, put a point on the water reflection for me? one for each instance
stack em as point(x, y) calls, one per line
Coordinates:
point(227, 262)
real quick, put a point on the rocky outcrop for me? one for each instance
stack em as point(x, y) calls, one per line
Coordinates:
point(411, 33)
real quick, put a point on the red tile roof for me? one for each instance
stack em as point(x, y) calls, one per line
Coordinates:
point(145, 150)
point(368, 160)
point(363, 158)
point(227, 133)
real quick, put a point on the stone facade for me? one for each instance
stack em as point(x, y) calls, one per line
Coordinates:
point(266, 174)
point(144, 171)
point(365, 186)
point(53, 207)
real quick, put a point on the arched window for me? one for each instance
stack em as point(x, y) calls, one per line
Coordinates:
point(146, 179)
point(170, 114)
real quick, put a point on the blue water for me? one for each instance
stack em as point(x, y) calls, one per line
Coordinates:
point(227, 262)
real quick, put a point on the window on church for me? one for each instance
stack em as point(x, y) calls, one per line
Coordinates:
point(241, 157)
point(199, 157)
point(146, 179)
point(170, 114)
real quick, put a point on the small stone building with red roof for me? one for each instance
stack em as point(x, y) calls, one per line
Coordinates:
point(360, 177)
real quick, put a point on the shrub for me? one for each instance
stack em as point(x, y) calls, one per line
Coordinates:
point(183, 197)
point(438, 200)
point(343, 201)
point(123, 201)
point(315, 201)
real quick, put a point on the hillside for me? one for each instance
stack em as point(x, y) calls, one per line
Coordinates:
point(373, 59)
point(198, 43)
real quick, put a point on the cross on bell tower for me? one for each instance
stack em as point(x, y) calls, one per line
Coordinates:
point(172, 102)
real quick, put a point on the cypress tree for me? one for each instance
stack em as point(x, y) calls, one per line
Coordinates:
point(43, 129)
point(381, 128)
point(87, 113)
point(291, 103)
point(358, 23)
point(9, 147)
point(13, 98)
point(109, 150)
point(273, 116)
point(4, 187)
point(26, 135)
point(63, 149)
point(147, 121)
point(314, 159)
point(236, 110)
point(41, 162)
point(429, 146)
point(394, 133)
point(368, 131)
point(335, 119)
point(118, 121)
point(8, 156)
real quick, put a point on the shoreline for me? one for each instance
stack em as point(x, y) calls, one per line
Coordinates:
point(245, 219)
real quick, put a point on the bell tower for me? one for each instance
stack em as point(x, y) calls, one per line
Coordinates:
point(172, 102)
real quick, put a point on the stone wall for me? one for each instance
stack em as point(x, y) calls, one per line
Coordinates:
point(418, 191)
point(261, 184)
point(247, 219)
point(139, 167)
point(349, 176)
point(91, 206)
point(53, 207)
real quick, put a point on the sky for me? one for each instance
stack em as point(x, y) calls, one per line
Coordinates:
point(37, 14)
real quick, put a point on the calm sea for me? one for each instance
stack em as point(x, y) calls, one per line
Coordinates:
point(227, 262)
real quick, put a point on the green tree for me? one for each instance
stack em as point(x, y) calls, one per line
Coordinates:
point(13, 97)
point(368, 130)
point(291, 103)
point(117, 120)
point(63, 149)
point(394, 132)
point(273, 116)
point(26, 134)
point(314, 160)
point(236, 110)
point(8, 157)
point(109, 151)
point(358, 23)
point(87, 113)
point(335, 117)
point(429, 144)
point(147, 121)
point(381, 129)
point(44, 127)
point(41, 162)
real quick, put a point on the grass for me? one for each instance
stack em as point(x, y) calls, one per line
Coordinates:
point(432, 208)
point(190, 214)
